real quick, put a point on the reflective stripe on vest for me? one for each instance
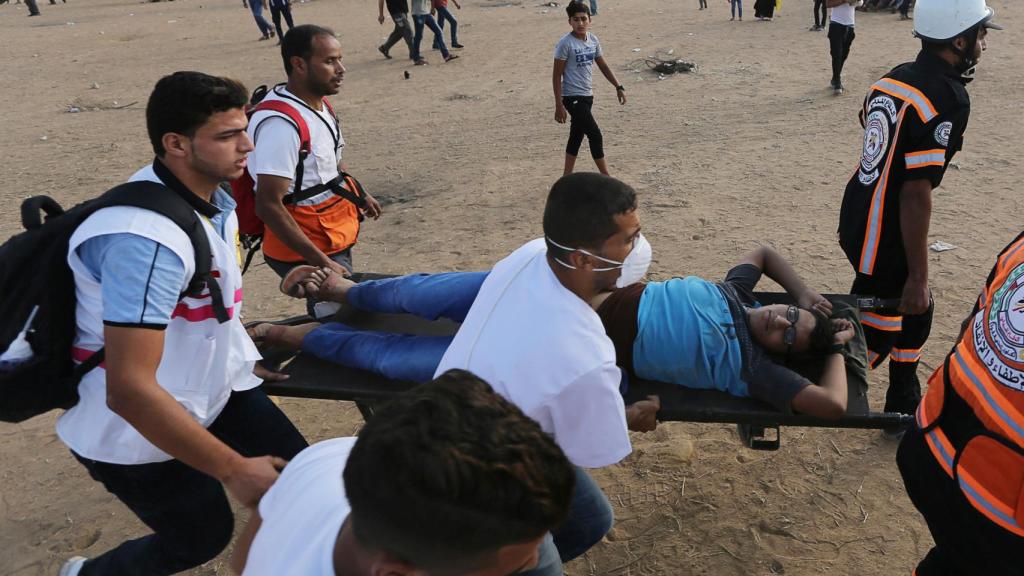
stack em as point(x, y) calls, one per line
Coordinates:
point(986, 370)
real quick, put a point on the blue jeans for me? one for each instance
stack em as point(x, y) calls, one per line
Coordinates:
point(257, 14)
point(421, 20)
point(398, 356)
point(186, 509)
point(733, 4)
point(590, 518)
point(442, 15)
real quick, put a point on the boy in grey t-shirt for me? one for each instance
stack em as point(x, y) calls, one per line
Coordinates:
point(572, 79)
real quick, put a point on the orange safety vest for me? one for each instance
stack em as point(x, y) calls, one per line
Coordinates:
point(332, 225)
point(973, 412)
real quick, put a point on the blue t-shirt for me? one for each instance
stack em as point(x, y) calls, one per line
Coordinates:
point(140, 278)
point(686, 335)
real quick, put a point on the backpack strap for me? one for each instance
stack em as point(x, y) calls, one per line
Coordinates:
point(295, 117)
point(344, 185)
point(162, 200)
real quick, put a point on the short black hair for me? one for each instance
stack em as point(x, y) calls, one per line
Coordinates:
point(446, 474)
point(575, 7)
point(821, 336)
point(299, 42)
point(184, 101)
point(581, 209)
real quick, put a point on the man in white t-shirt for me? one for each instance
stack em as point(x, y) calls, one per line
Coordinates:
point(531, 334)
point(306, 221)
point(449, 478)
point(840, 38)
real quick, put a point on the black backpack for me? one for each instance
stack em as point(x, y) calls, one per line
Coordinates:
point(36, 282)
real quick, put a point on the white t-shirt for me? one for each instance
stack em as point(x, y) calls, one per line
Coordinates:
point(580, 57)
point(302, 514)
point(276, 141)
point(843, 14)
point(545, 350)
point(420, 7)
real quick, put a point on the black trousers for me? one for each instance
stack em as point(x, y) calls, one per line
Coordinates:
point(899, 340)
point(276, 13)
point(966, 542)
point(582, 124)
point(819, 6)
point(187, 510)
point(840, 38)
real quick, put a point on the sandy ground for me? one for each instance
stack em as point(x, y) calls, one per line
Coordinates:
point(751, 148)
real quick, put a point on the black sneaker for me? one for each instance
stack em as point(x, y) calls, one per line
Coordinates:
point(837, 88)
point(384, 51)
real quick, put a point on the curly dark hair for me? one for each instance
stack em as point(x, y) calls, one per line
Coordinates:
point(449, 472)
point(184, 101)
point(821, 336)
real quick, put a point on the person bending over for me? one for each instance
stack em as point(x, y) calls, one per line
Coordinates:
point(448, 478)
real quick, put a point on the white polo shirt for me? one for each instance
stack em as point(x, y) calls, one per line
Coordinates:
point(302, 514)
point(545, 350)
point(276, 144)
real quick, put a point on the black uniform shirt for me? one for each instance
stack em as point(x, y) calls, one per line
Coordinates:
point(914, 118)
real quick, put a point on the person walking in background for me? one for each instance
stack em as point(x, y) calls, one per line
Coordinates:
point(441, 7)
point(703, 4)
point(399, 12)
point(421, 18)
point(257, 6)
point(280, 8)
point(573, 83)
point(734, 7)
point(819, 22)
point(840, 38)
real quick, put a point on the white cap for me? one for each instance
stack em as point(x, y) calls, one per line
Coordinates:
point(944, 20)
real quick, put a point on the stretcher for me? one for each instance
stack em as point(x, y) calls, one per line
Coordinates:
point(758, 423)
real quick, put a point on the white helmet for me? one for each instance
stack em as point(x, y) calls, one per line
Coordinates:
point(944, 20)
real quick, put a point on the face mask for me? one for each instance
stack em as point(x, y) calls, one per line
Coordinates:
point(633, 267)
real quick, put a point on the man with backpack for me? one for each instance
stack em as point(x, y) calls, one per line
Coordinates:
point(311, 214)
point(174, 414)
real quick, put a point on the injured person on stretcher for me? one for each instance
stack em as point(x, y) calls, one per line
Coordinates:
point(685, 331)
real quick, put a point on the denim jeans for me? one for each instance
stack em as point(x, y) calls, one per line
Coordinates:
point(398, 356)
point(590, 518)
point(427, 20)
point(442, 15)
point(187, 510)
point(261, 22)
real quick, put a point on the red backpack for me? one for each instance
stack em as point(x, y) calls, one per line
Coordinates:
point(243, 189)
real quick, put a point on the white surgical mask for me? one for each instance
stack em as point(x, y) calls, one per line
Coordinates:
point(633, 267)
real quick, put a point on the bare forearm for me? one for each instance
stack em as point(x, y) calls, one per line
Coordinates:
point(608, 74)
point(162, 421)
point(778, 269)
point(833, 379)
point(915, 215)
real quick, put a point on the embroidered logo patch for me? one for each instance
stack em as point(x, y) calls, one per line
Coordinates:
point(876, 141)
point(942, 133)
point(999, 332)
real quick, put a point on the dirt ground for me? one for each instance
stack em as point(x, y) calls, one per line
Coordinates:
point(750, 148)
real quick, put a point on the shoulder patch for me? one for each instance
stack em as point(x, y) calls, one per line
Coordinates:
point(942, 133)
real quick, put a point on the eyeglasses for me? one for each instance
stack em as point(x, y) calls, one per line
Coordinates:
point(789, 336)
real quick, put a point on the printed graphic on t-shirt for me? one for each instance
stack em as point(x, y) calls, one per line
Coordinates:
point(999, 332)
point(585, 56)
